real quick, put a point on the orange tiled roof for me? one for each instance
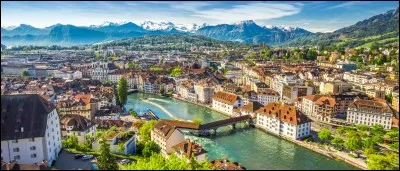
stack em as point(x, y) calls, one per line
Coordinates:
point(285, 113)
point(225, 97)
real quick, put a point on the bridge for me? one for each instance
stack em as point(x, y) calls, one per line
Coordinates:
point(208, 128)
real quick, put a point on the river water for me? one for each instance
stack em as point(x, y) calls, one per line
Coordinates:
point(251, 147)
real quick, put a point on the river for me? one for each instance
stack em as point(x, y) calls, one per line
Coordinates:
point(251, 147)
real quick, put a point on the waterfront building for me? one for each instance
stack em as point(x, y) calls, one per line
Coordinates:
point(188, 148)
point(283, 120)
point(78, 126)
point(30, 129)
point(224, 164)
point(369, 112)
point(251, 108)
point(226, 102)
point(204, 93)
point(166, 136)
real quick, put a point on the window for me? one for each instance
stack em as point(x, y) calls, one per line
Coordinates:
point(15, 141)
point(17, 157)
point(33, 148)
point(16, 149)
point(33, 155)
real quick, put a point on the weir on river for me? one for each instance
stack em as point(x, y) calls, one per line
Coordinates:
point(162, 108)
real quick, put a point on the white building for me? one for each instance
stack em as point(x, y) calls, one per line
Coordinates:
point(369, 112)
point(31, 129)
point(78, 126)
point(283, 120)
point(280, 80)
point(226, 102)
point(166, 136)
point(267, 96)
point(204, 93)
point(77, 75)
point(66, 75)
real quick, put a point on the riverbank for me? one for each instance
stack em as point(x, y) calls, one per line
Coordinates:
point(334, 154)
point(255, 141)
point(202, 105)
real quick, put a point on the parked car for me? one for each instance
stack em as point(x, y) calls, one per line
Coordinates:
point(78, 156)
point(125, 161)
point(95, 166)
point(87, 157)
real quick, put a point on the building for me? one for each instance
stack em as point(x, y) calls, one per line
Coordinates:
point(267, 96)
point(336, 87)
point(395, 100)
point(78, 126)
point(319, 107)
point(166, 136)
point(117, 136)
point(369, 112)
point(283, 120)
point(259, 87)
point(291, 93)
point(251, 108)
point(375, 93)
point(224, 164)
point(30, 129)
point(188, 148)
point(204, 93)
point(16, 166)
point(80, 104)
point(346, 65)
point(226, 102)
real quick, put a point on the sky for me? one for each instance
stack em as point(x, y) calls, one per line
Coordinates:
point(315, 16)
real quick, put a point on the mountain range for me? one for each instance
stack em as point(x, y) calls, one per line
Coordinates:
point(244, 31)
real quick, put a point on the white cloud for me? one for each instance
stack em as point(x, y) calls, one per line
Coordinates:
point(344, 4)
point(253, 11)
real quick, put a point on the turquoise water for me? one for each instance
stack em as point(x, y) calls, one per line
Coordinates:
point(251, 147)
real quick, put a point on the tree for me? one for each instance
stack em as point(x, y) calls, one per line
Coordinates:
point(389, 97)
point(353, 143)
point(377, 139)
point(176, 71)
point(197, 121)
point(162, 91)
point(341, 130)
point(337, 141)
point(24, 73)
point(325, 134)
point(106, 161)
point(150, 148)
point(70, 142)
point(362, 127)
point(137, 124)
point(380, 162)
point(133, 112)
point(392, 134)
point(369, 150)
point(122, 91)
point(130, 65)
point(145, 130)
point(121, 147)
point(377, 130)
point(368, 142)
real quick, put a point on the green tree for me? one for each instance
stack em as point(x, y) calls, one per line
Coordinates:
point(377, 139)
point(133, 112)
point(380, 162)
point(389, 97)
point(353, 143)
point(130, 65)
point(106, 161)
point(362, 127)
point(337, 141)
point(197, 121)
point(392, 134)
point(176, 71)
point(122, 90)
point(121, 148)
point(24, 73)
point(368, 142)
point(145, 130)
point(325, 134)
point(150, 148)
point(341, 130)
point(378, 130)
point(369, 150)
point(70, 142)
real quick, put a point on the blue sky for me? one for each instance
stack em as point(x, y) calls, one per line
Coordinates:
point(314, 16)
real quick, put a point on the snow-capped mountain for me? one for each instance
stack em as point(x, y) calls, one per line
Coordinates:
point(108, 23)
point(166, 26)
